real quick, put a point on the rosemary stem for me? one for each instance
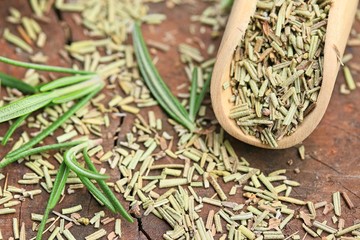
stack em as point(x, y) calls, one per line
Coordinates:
point(155, 83)
point(96, 193)
point(41, 67)
point(64, 81)
point(105, 188)
point(79, 86)
point(70, 160)
point(13, 127)
point(200, 97)
point(51, 128)
point(12, 82)
point(59, 185)
point(193, 94)
point(29, 152)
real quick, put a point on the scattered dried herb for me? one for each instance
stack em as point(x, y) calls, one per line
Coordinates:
point(201, 160)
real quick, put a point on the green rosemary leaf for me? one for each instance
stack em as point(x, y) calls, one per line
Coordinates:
point(226, 4)
point(7, 160)
point(70, 160)
point(96, 193)
point(64, 81)
point(51, 128)
point(34, 102)
point(105, 188)
point(24, 106)
point(151, 70)
point(41, 67)
point(75, 167)
point(13, 127)
point(192, 104)
point(200, 97)
point(155, 83)
point(59, 92)
point(152, 88)
point(12, 82)
point(76, 94)
point(58, 187)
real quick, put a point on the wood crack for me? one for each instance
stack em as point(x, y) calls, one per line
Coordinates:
point(65, 26)
point(142, 230)
point(325, 164)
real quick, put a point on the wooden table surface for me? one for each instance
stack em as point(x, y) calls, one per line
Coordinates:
point(332, 151)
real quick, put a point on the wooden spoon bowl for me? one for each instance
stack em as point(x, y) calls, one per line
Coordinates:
point(340, 21)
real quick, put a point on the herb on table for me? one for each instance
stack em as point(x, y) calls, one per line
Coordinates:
point(84, 87)
point(161, 92)
point(58, 188)
point(12, 82)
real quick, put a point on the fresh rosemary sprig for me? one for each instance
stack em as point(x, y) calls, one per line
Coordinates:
point(194, 83)
point(55, 194)
point(13, 127)
point(41, 67)
point(70, 160)
point(83, 87)
point(58, 91)
point(12, 82)
point(155, 83)
point(39, 100)
point(106, 197)
point(7, 160)
point(160, 91)
point(65, 81)
point(107, 191)
point(55, 125)
point(197, 98)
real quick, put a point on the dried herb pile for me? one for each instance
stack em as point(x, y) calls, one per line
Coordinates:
point(276, 71)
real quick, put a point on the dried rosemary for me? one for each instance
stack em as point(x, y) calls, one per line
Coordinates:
point(276, 71)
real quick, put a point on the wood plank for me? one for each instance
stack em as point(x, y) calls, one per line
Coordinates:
point(332, 152)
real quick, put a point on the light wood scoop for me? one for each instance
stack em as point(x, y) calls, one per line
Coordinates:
point(340, 21)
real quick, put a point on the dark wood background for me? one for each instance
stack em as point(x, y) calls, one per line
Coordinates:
point(332, 152)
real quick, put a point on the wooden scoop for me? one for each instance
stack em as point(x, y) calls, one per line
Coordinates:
point(340, 21)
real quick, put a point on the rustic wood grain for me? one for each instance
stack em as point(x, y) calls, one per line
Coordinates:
point(332, 152)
